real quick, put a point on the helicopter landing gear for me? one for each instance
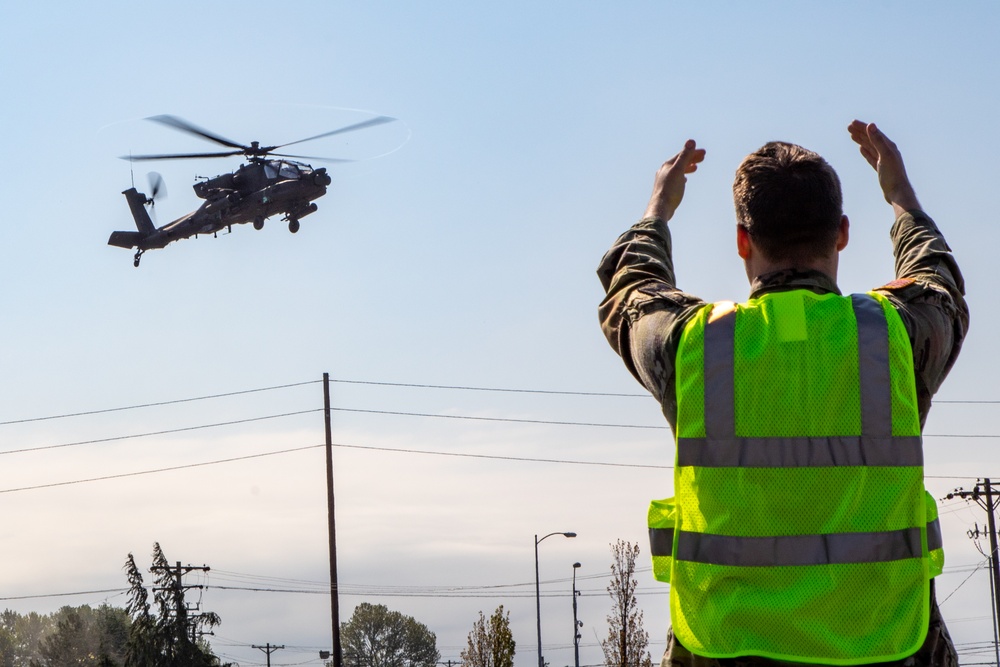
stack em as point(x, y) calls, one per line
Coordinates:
point(135, 260)
point(293, 225)
point(258, 223)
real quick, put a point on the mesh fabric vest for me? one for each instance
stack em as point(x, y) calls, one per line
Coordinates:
point(800, 528)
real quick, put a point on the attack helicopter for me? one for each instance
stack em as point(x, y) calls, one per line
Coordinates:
point(267, 184)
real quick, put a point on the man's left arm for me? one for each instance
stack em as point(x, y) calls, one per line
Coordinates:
point(929, 292)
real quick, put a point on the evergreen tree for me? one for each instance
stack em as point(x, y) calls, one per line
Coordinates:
point(142, 648)
point(627, 643)
point(165, 638)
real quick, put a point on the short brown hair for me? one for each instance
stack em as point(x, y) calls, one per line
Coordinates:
point(788, 199)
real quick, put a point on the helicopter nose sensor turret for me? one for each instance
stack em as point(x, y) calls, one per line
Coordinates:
point(321, 178)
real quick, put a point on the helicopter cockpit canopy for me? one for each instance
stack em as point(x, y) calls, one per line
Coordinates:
point(284, 169)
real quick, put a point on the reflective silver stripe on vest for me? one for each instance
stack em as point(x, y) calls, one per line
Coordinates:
point(720, 384)
point(873, 366)
point(800, 452)
point(838, 548)
point(934, 538)
point(661, 541)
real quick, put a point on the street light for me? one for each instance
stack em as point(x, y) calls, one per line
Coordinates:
point(576, 624)
point(538, 595)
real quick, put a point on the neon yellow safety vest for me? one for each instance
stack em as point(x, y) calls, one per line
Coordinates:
point(800, 529)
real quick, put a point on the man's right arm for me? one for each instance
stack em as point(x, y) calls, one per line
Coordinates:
point(643, 313)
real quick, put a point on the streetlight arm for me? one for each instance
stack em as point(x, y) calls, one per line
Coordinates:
point(537, 540)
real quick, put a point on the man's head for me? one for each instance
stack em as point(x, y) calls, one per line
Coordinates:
point(789, 203)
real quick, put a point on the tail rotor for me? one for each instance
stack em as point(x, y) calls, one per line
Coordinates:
point(157, 188)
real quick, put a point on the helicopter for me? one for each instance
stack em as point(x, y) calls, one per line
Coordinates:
point(267, 184)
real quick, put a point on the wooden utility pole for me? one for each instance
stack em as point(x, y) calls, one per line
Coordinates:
point(988, 498)
point(178, 588)
point(268, 650)
point(332, 523)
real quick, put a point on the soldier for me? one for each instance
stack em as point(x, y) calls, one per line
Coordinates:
point(800, 529)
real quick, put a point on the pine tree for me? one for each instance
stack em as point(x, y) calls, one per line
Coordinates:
point(143, 646)
point(164, 638)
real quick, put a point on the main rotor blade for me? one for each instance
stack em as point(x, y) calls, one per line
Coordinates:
point(185, 126)
point(313, 157)
point(177, 156)
point(379, 120)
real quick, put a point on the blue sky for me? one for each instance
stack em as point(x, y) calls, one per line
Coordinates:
point(527, 139)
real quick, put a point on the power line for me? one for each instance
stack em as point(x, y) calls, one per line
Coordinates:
point(152, 433)
point(486, 591)
point(497, 457)
point(298, 449)
point(481, 592)
point(499, 419)
point(494, 389)
point(603, 425)
point(150, 472)
point(60, 595)
point(978, 567)
point(152, 405)
point(407, 414)
point(389, 384)
point(428, 594)
point(494, 457)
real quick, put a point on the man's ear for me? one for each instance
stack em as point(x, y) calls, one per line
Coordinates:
point(743, 242)
point(843, 234)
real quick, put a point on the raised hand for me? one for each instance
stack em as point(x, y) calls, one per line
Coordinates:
point(883, 155)
point(668, 188)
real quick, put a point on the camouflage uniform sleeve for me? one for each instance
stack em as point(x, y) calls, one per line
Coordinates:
point(643, 313)
point(929, 293)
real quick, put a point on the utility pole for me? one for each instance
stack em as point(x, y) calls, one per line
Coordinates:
point(177, 587)
point(988, 498)
point(338, 659)
point(577, 624)
point(268, 650)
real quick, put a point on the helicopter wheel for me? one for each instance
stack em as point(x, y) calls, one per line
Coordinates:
point(258, 223)
point(135, 260)
point(293, 225)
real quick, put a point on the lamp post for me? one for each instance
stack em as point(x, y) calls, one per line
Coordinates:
point(538, 594)
point(576, 624)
